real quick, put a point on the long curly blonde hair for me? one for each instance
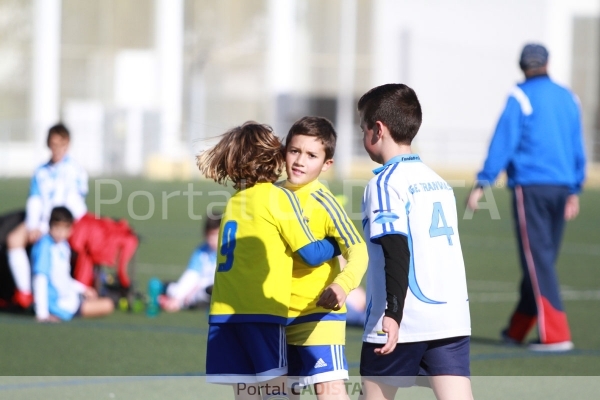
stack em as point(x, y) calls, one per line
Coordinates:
point(245, 155)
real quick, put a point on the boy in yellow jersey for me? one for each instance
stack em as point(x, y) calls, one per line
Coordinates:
point(261, 228)
point(317, 314)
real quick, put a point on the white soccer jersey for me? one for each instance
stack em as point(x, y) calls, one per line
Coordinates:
point(55, 291)
point(408, 198)
point(64, 183)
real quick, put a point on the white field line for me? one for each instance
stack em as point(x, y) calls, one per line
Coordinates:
point(567, 295)
point(501, 292)
point(503, 243)
point(479, 291)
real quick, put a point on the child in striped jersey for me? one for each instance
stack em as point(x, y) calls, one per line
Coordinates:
point(418, 321)
point(317, 315)
point(262, 226)
point(194, 286)
point(58, 182)
point(57, 296)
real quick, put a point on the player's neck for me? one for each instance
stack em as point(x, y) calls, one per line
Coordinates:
point(393, 150)
point(295, 186)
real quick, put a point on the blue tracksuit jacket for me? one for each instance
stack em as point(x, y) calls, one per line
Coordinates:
point(538, 139)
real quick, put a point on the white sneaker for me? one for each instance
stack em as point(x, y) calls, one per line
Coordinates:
point(551, 347)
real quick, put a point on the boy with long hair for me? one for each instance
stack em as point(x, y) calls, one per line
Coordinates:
point(262, 226)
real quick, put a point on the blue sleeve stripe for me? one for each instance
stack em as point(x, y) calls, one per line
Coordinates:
point(34, 189)
point(335, 222)
point(298, 209)
point(41, 255)
point(328, 316)
point(291, 197)
point(387, 192)
point(387, 173)
point(348, 223)
point(379, 198)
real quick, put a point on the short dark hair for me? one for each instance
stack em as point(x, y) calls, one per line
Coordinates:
point(318, 127)
point(396, 106)
point(61, 214)
point(59, 129)
point(212, 222)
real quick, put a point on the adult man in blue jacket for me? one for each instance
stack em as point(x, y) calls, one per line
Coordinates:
point(538, 142)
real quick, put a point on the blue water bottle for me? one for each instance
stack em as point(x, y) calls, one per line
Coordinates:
point(155, 287)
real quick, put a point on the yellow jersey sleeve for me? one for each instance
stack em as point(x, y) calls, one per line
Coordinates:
point(287, 215)
point(352, 245)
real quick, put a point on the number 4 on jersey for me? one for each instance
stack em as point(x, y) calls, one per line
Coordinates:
point(435, 229)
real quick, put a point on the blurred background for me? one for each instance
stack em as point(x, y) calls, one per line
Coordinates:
point(143, 84)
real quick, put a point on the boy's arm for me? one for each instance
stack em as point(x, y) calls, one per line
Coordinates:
point(352, 246)
point(287, 213)
point(351, 276)
point(316, 253)
point(40, 297)
point(41, 266)
point(386, 211)
point(397, 262)
point(79, 287)
point(82, 182)
point(34, 207)
point(504, 142)
point(333, 296)
point(579, 152)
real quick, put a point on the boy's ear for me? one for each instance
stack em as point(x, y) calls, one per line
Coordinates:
point(327, 164)
point(379, 128)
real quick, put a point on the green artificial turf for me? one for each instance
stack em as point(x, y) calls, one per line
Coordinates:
point(132, 345)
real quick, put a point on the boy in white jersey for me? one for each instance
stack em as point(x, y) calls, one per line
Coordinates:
point(194, 286)
point(418, 312)
point(59, 297)
point(59, 182)
point(317, 312)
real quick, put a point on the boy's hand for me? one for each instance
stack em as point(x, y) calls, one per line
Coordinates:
point(332, 298)
point(571, 207)
point(51, 319)
point(34, 235)
point(474, 198)
point(90, 293)
point(169, 304)
point(389, 326)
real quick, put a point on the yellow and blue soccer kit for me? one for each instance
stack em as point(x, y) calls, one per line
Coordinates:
point(316, 336)
point(261, 228)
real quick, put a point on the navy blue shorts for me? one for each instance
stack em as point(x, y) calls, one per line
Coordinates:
point(436, 357)
point(78, 312)
point(316, 364)
point(245, 352)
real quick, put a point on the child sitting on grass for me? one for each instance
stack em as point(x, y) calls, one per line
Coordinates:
point(57, 296)
point(195, 284)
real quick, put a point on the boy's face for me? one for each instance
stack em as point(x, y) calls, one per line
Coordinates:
point(212, 238)
point(305, 159)
point(371, 140)
point(60, 231)
point(58, 146)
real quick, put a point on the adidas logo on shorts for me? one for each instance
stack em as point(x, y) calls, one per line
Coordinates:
point(320, 363)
